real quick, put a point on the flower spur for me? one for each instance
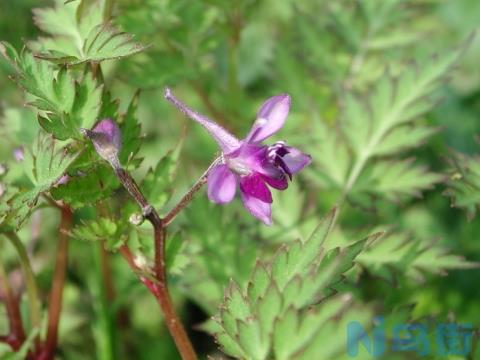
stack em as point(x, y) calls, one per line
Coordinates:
point(248, 162)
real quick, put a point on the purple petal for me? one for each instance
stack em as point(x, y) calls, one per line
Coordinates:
point(270, 118)
point(261, 210)
point(111, 131)
point(296, 160)
point(106, 140)
point(222, 184)
point(280, 183)
point(253, 185)
point(224, 139)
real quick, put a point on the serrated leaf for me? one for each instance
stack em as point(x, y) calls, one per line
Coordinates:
point(298, 257)
point(399, 253)
point(131, 132)
point(268, 307)
point(464, 183)
point(395, 179)
point(78, 34)
point(158, 183)
point(249, 338)
point(44, 165)
point(175, 258)
point(394, 102)
point(87, 189)
point(402, 138)
point(64, 105)
point(102, 229)
point(295, 280)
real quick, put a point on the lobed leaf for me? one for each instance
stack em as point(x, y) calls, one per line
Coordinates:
point(279, 300)
point(464, 183)
point(44, 165)
point(78, 34)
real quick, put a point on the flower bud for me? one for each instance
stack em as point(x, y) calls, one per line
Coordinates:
point(106, 139)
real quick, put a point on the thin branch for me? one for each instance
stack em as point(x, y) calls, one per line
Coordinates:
point(17, 334)
point(158, 288)
point(56, 294)
point(185, 200)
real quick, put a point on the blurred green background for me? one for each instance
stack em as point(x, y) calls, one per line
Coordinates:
point(224, 58)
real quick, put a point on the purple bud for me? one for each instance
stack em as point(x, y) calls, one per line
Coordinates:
point(106, 139)
point(18, 154)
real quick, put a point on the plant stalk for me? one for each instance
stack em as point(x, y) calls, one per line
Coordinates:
point(17, 335)
point(158, 287)
point(32, 291)
point(56, 294)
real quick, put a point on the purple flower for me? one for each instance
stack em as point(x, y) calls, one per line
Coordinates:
point(248, 163)
point(106, 139)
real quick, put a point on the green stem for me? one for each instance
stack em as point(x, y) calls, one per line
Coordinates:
point(32, 290)
point(103, 306)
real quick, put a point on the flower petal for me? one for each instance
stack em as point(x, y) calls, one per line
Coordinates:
point(280, 183)
point(296, 160)
point(270, 118)
point(111, 131)
point(224, 139)
point(254, 185)
point(222, 184)
point(261, 210)
point(106, 139)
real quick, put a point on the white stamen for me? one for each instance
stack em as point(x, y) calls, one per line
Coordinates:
point(238, 167)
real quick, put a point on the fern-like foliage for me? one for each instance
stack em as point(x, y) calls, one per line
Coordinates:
point(78, 33)
point(259, 322)
point(399, 254)
point(44, 165)
point(464, 183)
point(64, 105)
point(363, 158)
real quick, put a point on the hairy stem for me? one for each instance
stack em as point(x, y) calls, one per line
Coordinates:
point(17, 334)
point(158, 287)
point(32, 291)
point(56, 294)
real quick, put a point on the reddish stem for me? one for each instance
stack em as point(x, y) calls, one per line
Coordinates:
point(56, 294)
point(17, 333)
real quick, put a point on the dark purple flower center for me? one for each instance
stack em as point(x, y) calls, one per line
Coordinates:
point(275, 154)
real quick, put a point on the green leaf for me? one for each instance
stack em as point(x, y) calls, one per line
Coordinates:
point(87, 189)
point(175, 257)
point(78, 34)
point(399, 253)
point(394, 102)
point(396, 179)
point(44, 165)
point(464, 183)
point(131, 132)
point(64, 104)
point(278, 301)
point(101, 229)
